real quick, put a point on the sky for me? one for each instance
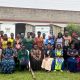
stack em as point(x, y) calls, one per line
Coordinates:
point(43, 4)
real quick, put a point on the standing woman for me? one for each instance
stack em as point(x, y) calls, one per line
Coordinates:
point(67, 42)
point(29, 41)
point(11, 39)
point(4, 41)
point(17, 47)
point(59, 39)
point(17, 43)
point(39, 40)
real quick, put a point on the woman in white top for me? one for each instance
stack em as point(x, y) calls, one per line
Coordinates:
point(59, 39)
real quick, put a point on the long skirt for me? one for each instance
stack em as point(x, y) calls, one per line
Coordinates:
point(72, 64)
point(78, 63)
point(47, 64)
point(24, 64)
point(59, 63)
point(35, 64)
point(53, 65)
point(7, 65)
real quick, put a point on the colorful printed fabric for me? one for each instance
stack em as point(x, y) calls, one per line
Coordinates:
point(58, 63)
point(23, 56)
point(12, 42)
point(39, 42)
point(59, 52)
point(4, 44)
point(8, 63)
point(51, 41)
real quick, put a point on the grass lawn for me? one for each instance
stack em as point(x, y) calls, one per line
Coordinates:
point(41, 76)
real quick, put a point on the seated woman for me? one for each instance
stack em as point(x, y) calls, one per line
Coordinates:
point(47, 61)
point(36, 58)
point(8, 63)
point(23, 57)
point(72, 63)
point(59, 61)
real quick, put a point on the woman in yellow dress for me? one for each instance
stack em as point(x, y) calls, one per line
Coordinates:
point(4, 41)
point(11, 39)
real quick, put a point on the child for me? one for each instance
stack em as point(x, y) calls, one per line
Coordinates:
point(59, 58)
point(8, 63)
point(23, 57)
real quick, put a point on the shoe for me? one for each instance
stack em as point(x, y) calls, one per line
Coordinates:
point(61, 70)
point(54, 70)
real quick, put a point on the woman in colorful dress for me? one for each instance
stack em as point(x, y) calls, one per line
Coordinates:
point(8, 64)
point(47, 61)
point(72, 62)
point(59, 40)
point(35, 56)
point(59, 60)
point(50, 40)
point(11, 39)
point(23, 57)
point(17, 47)
point(39, 40)
point(17, 43)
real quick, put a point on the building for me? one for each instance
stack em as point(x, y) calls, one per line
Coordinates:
point(23, 20)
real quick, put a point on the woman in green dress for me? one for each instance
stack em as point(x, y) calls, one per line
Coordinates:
point(23, 57)
point(29, 41)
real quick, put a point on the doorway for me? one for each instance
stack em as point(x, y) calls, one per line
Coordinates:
point(20, 28)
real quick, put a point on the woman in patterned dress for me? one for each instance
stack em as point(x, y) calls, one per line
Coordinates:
point(8, 63)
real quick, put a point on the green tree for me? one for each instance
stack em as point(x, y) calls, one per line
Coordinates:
point(73, 28)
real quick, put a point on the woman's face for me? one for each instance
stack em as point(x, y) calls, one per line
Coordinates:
point(59, 35)
point(49, 46)
point(5, 36)
point(58, 46)
point(18, 36)
point(39, 33)
point(28, 34)
point(66, 33)
point(35, 47)
point(12, 35)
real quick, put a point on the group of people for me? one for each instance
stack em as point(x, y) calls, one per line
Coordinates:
point(55, 53)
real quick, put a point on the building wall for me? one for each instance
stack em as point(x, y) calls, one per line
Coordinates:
point(57, 29)
point(39, 15)
point(54, 29)
point(29, 28)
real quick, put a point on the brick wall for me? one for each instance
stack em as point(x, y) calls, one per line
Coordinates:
point(38, 15)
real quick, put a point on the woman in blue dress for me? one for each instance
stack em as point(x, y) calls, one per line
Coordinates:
point(71, 61)
point(8, 63)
